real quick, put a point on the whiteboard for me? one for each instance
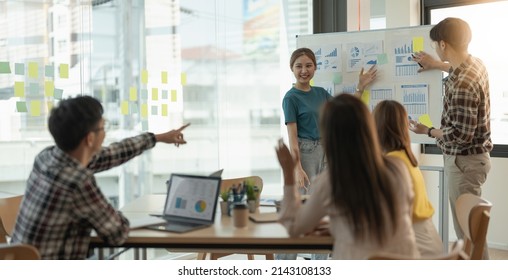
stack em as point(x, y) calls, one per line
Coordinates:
point(341, 55)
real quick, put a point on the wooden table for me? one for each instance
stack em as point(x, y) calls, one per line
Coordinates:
point(222, 237)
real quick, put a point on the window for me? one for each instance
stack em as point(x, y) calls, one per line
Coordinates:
point(221, 65)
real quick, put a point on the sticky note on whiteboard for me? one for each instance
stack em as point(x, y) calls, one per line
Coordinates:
point(417, 44)
point(425, 119)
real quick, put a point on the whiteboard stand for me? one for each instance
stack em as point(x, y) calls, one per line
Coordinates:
point(443, 204)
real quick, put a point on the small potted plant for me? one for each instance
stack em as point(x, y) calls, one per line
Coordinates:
point(224, 195)
point(252, 193)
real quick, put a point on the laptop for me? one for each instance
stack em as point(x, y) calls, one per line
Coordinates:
point(190, 203)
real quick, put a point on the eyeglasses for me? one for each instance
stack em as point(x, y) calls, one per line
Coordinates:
point(104, 127)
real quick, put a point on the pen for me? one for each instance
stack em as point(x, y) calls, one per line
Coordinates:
point(417, 62)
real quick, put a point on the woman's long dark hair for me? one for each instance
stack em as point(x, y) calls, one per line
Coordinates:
point(393, 128)
point(361, 188)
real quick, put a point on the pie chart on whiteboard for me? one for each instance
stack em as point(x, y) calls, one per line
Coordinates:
point(200, 206)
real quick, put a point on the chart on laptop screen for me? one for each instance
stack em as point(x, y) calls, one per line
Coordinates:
point(192, 197)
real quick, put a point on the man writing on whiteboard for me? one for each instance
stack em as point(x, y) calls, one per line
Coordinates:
point(464, 135)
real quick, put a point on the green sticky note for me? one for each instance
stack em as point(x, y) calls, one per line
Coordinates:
point(124, 107)
point(64, 71)
point(5, 67)
point(58, 93)
point(154, 110)
point(144, 94)
point(133, 94)
point(144, 125)
point(382, 58)
point(134, 108)
point(337, 78)
point(366, 97)
point(49, 88)
point(164, 110)
point(33, 70)
point(173, 95)
point(155, 94)
point(164, 94)
point(164, 77)
point(49, 71)
point(19, 69)
point(144, 76)
point(21, 106)
point(425, 119)
point(33, 88)
point(417, 44)
point(183, 79)
point(19, 89)
point(35, 108)
point(144, 110)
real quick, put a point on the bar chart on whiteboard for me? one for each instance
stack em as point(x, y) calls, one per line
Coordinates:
point(415, 99)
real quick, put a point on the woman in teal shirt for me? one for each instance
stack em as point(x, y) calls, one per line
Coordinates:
point(301, 106)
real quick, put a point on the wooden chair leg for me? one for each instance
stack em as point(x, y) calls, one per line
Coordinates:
point(269, 257)
point(202, 256)
point(250, 257)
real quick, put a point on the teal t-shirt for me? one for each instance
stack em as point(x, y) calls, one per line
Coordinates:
point(303, 108)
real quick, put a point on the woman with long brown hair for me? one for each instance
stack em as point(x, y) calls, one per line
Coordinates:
point(393, 130)
point(367, 196)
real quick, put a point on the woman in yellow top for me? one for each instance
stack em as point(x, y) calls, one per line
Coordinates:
point(393, 129)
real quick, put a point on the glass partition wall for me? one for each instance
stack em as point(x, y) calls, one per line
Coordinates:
point(154, 64)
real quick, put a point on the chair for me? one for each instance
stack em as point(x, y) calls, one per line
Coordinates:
point(18, 252)
point(473, 215)
point(9, 208)
point(456, 253)
point(225, 185)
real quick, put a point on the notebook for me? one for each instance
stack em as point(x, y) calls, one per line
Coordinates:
point(191, 202)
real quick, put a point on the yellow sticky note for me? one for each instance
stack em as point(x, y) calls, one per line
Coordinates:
point(144, 76)
point(33, 70)
point(164, 77)
point(133, 94)
point(311, 82)
point(124, 107)
point(417, 44)
point(144, 110)
point(35, 108)
point(164, 110)
point(173, 95)
point(49, 88)
point(50, 105)
point(155, 94)
point(183, 78)
point(366, 97)
point(64, 71)
point(19, 89)
point(425, 119)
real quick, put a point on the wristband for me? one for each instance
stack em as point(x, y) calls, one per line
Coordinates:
point(428, 132)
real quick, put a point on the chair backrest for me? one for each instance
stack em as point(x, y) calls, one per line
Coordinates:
point(227, 183)
point(456, 253)
point(18, 252)
point(9, 208)
point(473, 215)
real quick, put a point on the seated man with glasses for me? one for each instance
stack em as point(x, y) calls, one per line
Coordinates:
point(62, 202)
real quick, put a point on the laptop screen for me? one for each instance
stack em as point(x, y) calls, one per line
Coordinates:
point(193, 197)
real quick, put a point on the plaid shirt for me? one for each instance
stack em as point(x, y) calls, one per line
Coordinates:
point(62, 202)
point(465, 121)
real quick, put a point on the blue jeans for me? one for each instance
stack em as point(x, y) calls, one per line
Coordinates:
point(312, 158)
